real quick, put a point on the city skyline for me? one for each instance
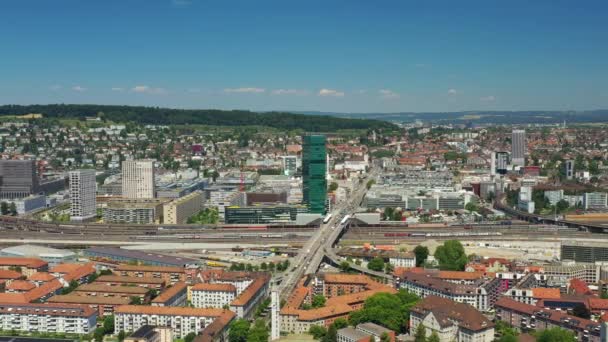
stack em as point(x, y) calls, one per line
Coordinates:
point(317, 56)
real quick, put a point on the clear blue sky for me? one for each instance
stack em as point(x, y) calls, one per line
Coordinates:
point(348, 56)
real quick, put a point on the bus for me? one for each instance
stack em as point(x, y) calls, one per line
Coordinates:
point(327, 218)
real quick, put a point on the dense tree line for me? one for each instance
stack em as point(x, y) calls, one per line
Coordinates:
point(167, 116)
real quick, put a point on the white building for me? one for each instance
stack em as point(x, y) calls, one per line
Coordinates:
point(595, 200)
point(82, 194)
point(29, 317)
point(182, 320)
point(518, 147)
point(402, 260)
point(138, 179)
point(207, 295)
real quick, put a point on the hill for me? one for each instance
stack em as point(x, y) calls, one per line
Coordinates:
point(167, 116)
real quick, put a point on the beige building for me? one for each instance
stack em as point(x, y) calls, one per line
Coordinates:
point(138, 179)
point(138, 211)
point(180, 209)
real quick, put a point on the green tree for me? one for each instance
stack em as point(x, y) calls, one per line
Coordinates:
point(385, 337)
point(239, 329)
point(190, 337)
point(340, 323)
point(332, 334)
point(562, 206)
point(434, 337)
point(580, 310)
point(98, 334)
point(451, 256)
point(317, 331)
point(121, 336)
point(376, 264)
point(420, 335)
point(333, 187)
point(4, 208)
point(370, 183)
point(421, 253)
point(318, 301)
point(389, 310)
point(135, 300)
point(258, 332)
point(508, 338)
point(108, 324)
point(555, 335)
point(12, 208)
point(264, 266)
point(345, 266)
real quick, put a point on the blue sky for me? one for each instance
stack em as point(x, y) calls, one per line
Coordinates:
point(347, 56)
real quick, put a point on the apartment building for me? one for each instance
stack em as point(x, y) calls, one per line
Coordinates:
point(104, 306)
point(170, 274)
point(27, 266)
point(149, 283)
point(176, 295)
point(182, 320)
point(99, 290)
point(48, 318)
point(148, 333)
point(180, 209)
point(82, 194)
point(247, 300)
point(451, 321)
point(481, 296)
point(207, 295)
point(527, 317)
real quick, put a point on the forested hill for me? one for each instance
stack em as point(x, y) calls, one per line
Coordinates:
point(167, 116)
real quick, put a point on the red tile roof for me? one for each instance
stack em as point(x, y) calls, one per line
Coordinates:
point(214, 287)
point(20, 285)
point(23, 262)
point(8, 274)
point(41, 276)
point(169, 311)
point(448, 312)
point(171, 292)
point(546, 293)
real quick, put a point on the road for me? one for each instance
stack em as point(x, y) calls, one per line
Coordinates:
point(310, 256)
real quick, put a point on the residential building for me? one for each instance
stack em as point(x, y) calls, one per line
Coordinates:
point(314, 168)
point(179, 210)
point(171, 274)
point(554, 196)
point(82, 194)
point(148, 333)
point(595, 200)
point(100, 290)
point(137, 211)
point(518, 147)
point(208, 295)
point(182, 320)
point(175, 295)
point(104, 306)
point(290, 165)
point(27, 266)
point(149, 283)
point(452, 321)
point(138, 179)
point(247, 300)
point(349, 334)
point(47, 318)
point(527, 317)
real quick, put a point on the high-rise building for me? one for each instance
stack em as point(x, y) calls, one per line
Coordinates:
point(138, 179)
point(290, 165)
point(82, 194)
point(314, 162)
point(492, 164)
point(569, 169)
point(18, 178)
point(502, 162)
point(518, 147)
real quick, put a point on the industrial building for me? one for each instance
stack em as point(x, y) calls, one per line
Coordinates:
point(52, 256)
point(146, 258)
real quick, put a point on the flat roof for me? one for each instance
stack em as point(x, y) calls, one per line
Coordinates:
point(156, 258)
point(35, 250)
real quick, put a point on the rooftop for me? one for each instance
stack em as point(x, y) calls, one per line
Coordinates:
point(448, 312)
point(169, 311)
point(131, 280)
point(134, 290)
point(352, 333)
point(148, 268)
point(146, 257)
point(37, 251)
point(77, 299)
point(214, 287)
point(23, 262)
point(171, 292)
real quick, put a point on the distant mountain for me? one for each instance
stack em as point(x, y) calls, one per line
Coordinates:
point(167, 116)
point(482, 117)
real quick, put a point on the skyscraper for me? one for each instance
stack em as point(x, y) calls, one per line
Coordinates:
point(138, 179)
point(314, 162)
point(18, 178)
point(82, 194)
point(518, 147)
point(502, 162)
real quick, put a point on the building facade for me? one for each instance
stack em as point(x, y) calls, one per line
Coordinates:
point(69, 319)
point(138, 179)
point(18, 178)
point(314, 168)
point(82, 194)
point(179, 210)
point(518, 147)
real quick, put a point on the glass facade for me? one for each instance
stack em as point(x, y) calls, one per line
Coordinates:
point(314, 168)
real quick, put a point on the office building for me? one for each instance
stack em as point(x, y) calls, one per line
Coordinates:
point(502, 162)
point(518, 147)
point(47, 318)
point(18, 178)
point(452, 321)
point(179, 210)
point(30, 203)
point(290, 165)
point(138, 179)
point(314, 168)
point(82, 194)
point(263, 214)
point(133, 210)
point(569, 165)
point(595, 200)
point(584, 251)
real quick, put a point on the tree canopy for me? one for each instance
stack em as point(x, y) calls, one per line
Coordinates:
point(213, 117)
point(555, 335)
point(421, 253)
point(389, 310)
point(451, 256)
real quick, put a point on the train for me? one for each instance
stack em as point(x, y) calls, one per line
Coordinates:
point(344, 219)
point(442, 234)
point(327, 218)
